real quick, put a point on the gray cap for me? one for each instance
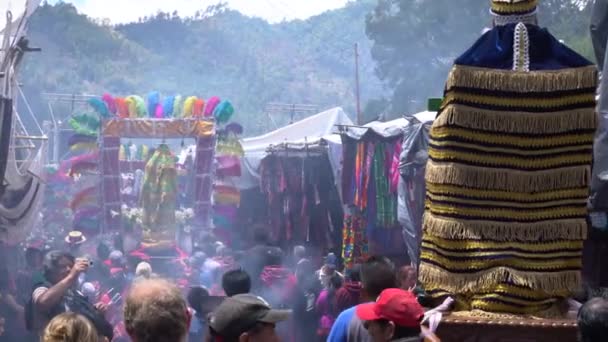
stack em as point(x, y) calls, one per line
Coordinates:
point(239, 314)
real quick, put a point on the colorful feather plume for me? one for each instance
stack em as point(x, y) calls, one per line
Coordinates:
point(130, 100)
point(82, 167)
point(84, 158)
point(153, 101)
point(86, 197)
point(84, 147)
point(140, 104)
point(168, 104)
point(85, 124)
point(81, 138)
point(122, 108)
point(199, 106)
point(110, 103)
point(188, 106)
point(211, 104)
point(159, 111)
point(223, 112)
point(177, 106)
point(99, 106)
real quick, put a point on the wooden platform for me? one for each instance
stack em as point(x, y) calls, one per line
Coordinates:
point(475, 329)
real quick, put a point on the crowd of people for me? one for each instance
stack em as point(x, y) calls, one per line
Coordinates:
point(261, 294)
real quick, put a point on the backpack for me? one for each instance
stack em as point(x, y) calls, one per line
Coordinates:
point(80, 304)
point(77, 303)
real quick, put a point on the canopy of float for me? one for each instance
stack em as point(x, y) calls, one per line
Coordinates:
point(322, 127)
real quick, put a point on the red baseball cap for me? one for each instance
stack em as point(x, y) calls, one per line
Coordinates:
point(396, 305)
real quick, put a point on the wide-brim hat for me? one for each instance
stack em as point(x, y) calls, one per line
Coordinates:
point(75, 237)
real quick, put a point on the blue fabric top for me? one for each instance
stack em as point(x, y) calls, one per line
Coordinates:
point(494, 50)
point(339, 330)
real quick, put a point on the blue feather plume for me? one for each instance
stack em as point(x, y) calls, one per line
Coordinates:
point(153, 101)
point(99, 106)
point(168, 106)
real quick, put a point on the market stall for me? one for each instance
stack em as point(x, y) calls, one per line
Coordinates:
point(289, 178)
point(370, 182)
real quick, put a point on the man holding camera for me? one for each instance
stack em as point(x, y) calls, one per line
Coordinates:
point(54, 293)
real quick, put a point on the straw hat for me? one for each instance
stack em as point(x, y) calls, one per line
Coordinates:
point(75, 237)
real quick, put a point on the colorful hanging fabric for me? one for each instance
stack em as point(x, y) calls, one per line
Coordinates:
point(386, 205)
point(354, 240)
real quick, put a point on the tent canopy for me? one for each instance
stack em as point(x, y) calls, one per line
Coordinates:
point(311, 130)
point(389, 129)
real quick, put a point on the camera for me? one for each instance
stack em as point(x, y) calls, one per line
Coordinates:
point(89, 261)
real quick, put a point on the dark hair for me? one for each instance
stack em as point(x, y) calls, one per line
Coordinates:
point(256, 329)
point(51, 261)
point(195, 298)
point(159, 314)
point(236, 282)
point(377, 275)
point(354, 274)
point(593, 320)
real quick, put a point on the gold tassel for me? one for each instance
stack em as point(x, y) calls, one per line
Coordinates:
point(506, 179)
point(517, 122)
point(550, 283)
point(452, 229)
point(522, 82)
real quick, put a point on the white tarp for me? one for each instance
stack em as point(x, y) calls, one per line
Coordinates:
point(322, 126)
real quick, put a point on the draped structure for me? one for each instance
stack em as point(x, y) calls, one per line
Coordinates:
point(508, 174)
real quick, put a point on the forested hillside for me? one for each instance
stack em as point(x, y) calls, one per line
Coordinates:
point(218, 51)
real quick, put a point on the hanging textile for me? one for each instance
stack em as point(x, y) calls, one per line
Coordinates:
point(354, 243)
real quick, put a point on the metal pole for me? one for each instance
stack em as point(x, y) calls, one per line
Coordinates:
point(357, 91)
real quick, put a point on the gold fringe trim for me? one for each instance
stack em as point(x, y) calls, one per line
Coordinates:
point(451, 190)
point(473, 263)
point(506, 179)
point(516, 122)
point(471, 283)
point(516, 141)
point(527, 102)
point(522, 82)
point(498, 161)
point(554, 312)
point(458, 200)
point(453, 229)
point(546, 247)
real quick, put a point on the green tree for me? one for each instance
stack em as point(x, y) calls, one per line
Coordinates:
point(415, 42)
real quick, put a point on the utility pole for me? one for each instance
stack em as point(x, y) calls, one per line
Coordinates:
point(357, 91)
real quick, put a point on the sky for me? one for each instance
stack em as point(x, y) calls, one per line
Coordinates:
point(120, 11)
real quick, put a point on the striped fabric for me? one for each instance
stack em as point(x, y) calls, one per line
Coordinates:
point(507, 186)
point(513, 7)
